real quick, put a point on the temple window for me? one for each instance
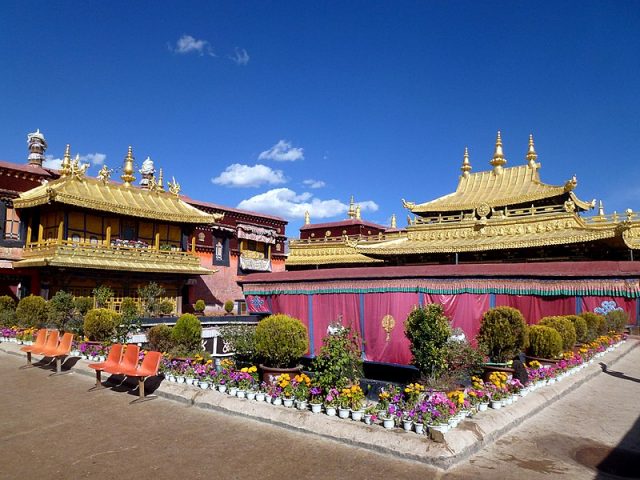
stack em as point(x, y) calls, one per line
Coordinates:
point(12, 225)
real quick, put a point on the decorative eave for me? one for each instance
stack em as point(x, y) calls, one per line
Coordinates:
point(115, 198)
point(511, 233)
point(329, 253)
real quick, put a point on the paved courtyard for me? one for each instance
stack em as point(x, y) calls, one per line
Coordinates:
point(53, 428)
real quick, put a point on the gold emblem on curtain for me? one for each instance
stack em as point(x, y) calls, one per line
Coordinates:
point(388, 322)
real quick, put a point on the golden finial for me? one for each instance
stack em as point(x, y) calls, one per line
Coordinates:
point(352, 208)
point(466, 165)
point(531, 156)
point(159, 185)
point(104, 174)
point(307, 218)
point(127, 171)
point(65, 167)
point(174, 187)
point(358, 216)
point(393, 221)
point(498, 159)
point(601, 209)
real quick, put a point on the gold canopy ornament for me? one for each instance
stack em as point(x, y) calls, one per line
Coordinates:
point(104, 174)
point(532, 156)
point(174, 187)
point(394, 221)
point(388, 323)
point(65, 167)
point(352, 208)
point(466, 165)
point(127, 171)
point(77, 170)
point(498, 160)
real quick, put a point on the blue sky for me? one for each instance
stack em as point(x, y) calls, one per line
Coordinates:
point(289, 106)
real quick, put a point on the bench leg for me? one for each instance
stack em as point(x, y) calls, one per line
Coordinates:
point(29, 362)
point(59, 368)
point(98, 381)
point(142, 397)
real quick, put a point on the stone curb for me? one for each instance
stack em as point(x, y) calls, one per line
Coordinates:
point(472, 435)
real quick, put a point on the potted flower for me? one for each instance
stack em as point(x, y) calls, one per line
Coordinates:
point(261, 392)
point(370, 414)
point(284, 382)
point(407, 417)
point(356, 399)
point(280, 340)
point(301, 385)
point(331, 401)
point(315, 399)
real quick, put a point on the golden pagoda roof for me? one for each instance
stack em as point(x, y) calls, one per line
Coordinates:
point(302, 252)
point(106, 196)
point(511, 186)
point(523, 232)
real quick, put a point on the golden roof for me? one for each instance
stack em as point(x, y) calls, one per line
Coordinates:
point(94, 194)
point(512, 186)
point(523, 232)
point(324, 253)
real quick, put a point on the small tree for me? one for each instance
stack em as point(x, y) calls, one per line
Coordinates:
point(564, 327)
point(580, 326)
point(596, 325)
point(616, 320)
point(31, 311)
point(428, 330)
point(83, 304)
point(100, 324)
point(199, 306)
point(160, 339)
point(129, 319)
point(61, 310)
point(339, 363)
point(187, 333)
point(544, 342)
point(503, 333)
point(102, 294)
point(7, 311)
point(228, 306)
point(462, 361)
point(242, 339)
point(281, 340)
point(150, 295)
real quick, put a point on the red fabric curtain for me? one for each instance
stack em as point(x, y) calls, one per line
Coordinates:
point(296, 306)
point(589, 304)
point(465, 310)
point(534, 308)
point(327, 308)
point(378, 348)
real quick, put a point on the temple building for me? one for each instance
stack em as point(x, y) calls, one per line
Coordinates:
point(62, 229)
point(503, 237)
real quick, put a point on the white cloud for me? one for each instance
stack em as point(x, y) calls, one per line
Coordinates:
point(238, 175)
point(188, 44)
point(282, 152)
point(314, 183)
point(94, 158)
point(287, 203)
point(51, 162)
point(240, 56)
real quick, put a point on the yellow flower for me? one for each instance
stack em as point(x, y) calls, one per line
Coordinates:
point(244, 370)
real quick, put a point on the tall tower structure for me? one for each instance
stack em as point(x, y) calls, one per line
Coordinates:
point(37, 147)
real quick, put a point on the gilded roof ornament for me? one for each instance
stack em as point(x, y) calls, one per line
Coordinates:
point(65, 167)
point(352, 208)
point(532, 156)
point(394, 221)
point(77, 170)
point(159, 185)
point(358, 212)
point(466, 165)
point(174, 187)
point(104, 174)
point(498, 160)
point(307, 218)
point(127, 171)
point(571, 184)
point(601, 209)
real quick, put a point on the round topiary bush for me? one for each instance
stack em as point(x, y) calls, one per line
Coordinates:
point(281, 340)
point(503, 333)
point(428, 330)
point(83, 304)
point(160, 338)
point(564, 327)
point(7, 311)
point(199, 306)
point(544, 342)
point(580, 325)
point(616, 320)
point(100, 324)
point(228, 306)
point(31, 311)
point(187, 333)
point(596, 325)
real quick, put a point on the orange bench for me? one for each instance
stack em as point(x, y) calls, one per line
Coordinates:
point(112, 362)
point(41, 338)
point(59, 351)
point(148, 368)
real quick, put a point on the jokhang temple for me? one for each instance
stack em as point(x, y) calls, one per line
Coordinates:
point(503, 237)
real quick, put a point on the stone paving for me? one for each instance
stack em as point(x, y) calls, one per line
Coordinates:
point(52, 427)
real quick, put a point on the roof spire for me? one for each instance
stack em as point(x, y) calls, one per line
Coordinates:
point(352, 208)
point(160, 186)
point(307, 218)
point(466, 165)
point(358, 216)
point(601, 209)
point(37, 146)
point(393, 221)
point(531, 156)
point(127, 170)
point(498, 159)
point(65, 166)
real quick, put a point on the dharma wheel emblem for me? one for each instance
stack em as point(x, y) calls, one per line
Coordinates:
point(483, 209)
point(388, 322)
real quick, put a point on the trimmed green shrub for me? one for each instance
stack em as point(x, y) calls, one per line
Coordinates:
point(7, 311)
point(544, 342)
point(580, 325)
point(166, 307)
point(462, 361)
point(242, 340)
point(281, 340)
point(100, 324)
point(428, 330)
point(228, 306)
point(616, 320)
point(596, 325)
point(187, 333)
point(129, 310)
point(83, 304)
point(102, 294)
point(160, 338)
point(61, 310)
point(199, 306)
point(339, 363)
point(31, 311)
point(503, 333)
point(565, 328)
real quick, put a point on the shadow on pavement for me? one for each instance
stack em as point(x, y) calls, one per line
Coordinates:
point(622, 461)
point(613, 373)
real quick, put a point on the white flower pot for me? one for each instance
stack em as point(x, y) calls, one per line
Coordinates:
point(343, 412)
point(367, 418)
point(316, 407)
point(277, 401)
point(419, 428)
point(189, 380)
point(496, 404)
point(180, 379)
point(407, 425)
point(482, 407)
point(232, 391)
point(301, 404)
point(251, 395)
point(204, 385)
point(356, 415)
point(240, 393)
point(260, 397)
point(388, 423)
point(222, 388)
point(331, 411)
point(288, 402)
